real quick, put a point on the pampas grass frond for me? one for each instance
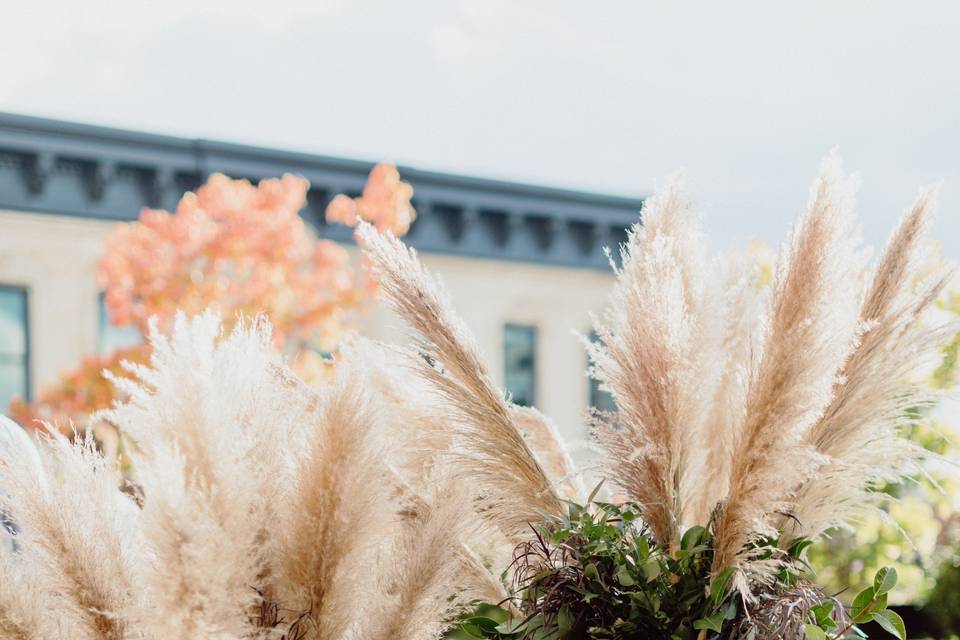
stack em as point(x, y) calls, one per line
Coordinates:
point(860, 430)
point(82, 537)
point(811, 328)
point(410, 402)
point(420, 584)
point(341, 511)
point(650, 337)
point(24, 603)
point(487, 442)
point(196, 416)
point(548, 447)
point(735, 346)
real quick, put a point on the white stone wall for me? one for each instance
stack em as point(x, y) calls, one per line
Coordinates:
point(55, 258)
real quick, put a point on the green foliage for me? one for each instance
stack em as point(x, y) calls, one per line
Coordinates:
point(484, 621)
point(870, 605)
point(597, 575)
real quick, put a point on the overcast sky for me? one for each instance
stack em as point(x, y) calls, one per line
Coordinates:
point(608, 96)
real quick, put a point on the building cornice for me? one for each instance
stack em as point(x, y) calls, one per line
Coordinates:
point(65, 168)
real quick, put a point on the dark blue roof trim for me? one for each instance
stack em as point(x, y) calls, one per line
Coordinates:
point(81, 170)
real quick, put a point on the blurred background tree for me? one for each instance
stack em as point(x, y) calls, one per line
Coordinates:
point(243, 250)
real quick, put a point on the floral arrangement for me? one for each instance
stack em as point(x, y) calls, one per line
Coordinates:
point(402, 499)
point(241, 249)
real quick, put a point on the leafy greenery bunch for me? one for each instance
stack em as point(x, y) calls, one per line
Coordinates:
point(597, 574)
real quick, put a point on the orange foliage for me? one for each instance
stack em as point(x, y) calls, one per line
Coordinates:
point(385, 203)
point(238, 248)
point(78, 393)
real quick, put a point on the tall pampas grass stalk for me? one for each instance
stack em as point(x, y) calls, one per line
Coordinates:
point(337, 484)
point(195, 416)
point(422, 580)
point(735, 345)
point(649, 356)
point(860, 430)
point(765, 413)
point(265, 508)
point(812, 327)
point(77, 547)
point(487, 441)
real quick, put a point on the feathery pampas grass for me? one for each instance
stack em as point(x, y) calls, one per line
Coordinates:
point(807, 385)
point(487, 441)
point(379, 503)
point(811, 327)
point(268, 509)
point(646, 356)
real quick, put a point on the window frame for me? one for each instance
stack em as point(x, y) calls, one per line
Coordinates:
point(104, 325)
point(27, 339)
point(594, 391)
point(533, 332)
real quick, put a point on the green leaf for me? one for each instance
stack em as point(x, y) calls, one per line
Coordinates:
point(885, 580)
point(565, 621)
point(593, 494)
point(813, 632)
point(651, 569)
point(863, 600)
point(471, 631)
point(492, 611)
point(590, 571)
point(875, 605)
point(880, 603)
point(485, 624)
point(798, 546)
point(692, 536)
point(643, 547)
point(624, 577)
point(719, 585)
point(891, 623)
point(713, 623)
point(821, 613)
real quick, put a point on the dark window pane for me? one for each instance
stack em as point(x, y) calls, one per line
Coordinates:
point(519, 363)
point(14, 346)
point(599, 398)
point(113, 337)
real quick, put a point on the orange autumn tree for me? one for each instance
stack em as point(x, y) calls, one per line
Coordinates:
point(242, 250)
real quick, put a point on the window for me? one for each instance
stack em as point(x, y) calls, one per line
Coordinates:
point(519, 363)
point(113, 337)
point(14, 346)
point(599, 398)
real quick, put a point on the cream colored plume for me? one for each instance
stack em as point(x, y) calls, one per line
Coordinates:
point(323, 548)
point(650, 355)
point(860, 430)
point(734, 346)
point(76, 566)
point(204, 416)
point(547, 445)
point(812, 325)
point(417, 593)
point(486, 441)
